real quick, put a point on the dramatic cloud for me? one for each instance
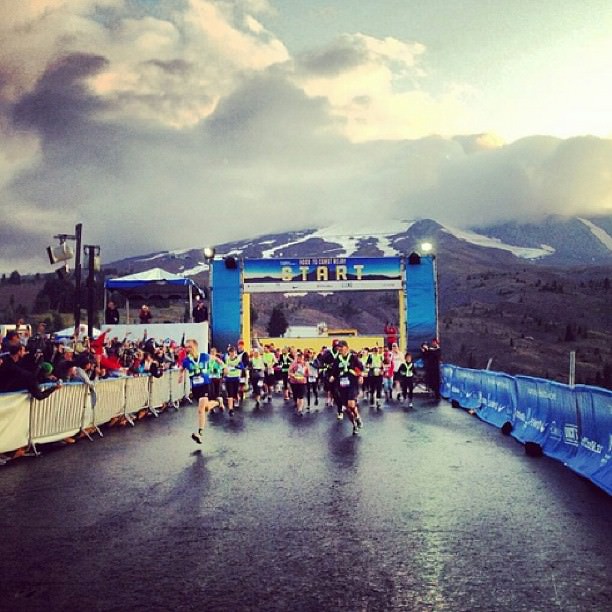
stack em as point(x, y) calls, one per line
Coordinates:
point(192, 124)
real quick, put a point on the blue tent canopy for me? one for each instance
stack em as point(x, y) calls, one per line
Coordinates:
point(155, 281)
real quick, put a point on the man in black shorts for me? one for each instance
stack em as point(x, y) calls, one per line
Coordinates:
point(345, 375)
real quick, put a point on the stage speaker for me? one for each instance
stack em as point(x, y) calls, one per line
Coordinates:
point(231, 263)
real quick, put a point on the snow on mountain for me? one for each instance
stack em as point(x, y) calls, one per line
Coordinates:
point(496, 243)
point(349, 237)
point(599, 233)
point(553, 240)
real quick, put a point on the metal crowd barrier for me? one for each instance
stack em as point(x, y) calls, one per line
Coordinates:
point(159, 393)
point(58, 416)
point(110, 402)
point(136, 396)
point(25, 421)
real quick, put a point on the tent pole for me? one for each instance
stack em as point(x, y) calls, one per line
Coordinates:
point(104, 305)
point(127, 309)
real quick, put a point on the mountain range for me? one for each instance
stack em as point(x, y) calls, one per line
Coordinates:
point(552, 241)
point(521, 294)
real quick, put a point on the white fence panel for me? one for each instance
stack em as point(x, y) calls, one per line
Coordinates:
point(136, 394)
point(110, 400)
point(160, 390)
point(14, 421)
point(177, 385)
point(58, 416)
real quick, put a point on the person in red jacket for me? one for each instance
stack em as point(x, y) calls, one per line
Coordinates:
point(390, 334)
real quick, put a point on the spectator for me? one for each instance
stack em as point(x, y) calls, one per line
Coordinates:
point(431, 361)
point(13, 377)
point(63, 368)
point(390, 334)
point(11, 339)
point(145, 315)
point(200, 312)
point(111, 314)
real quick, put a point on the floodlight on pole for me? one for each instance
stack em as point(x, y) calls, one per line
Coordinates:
point(426, 247)
point(209, 252)
point(63, 252)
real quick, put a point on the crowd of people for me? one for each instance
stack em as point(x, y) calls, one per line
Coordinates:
point(41, 362)
point(336, 376)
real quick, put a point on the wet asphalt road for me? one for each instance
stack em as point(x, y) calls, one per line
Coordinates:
point(427, 509)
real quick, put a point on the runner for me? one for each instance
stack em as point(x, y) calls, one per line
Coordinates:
point(269, 379)
point(406, 378)
point(398, 358)
point(363, 357)
point(346, 375)
point(257, 375)
point(313, 376)
point(298, 377)
point(388, 376)
point(285, 362)
point(328, 359)
point(232, 374)
point(215, 371)
point(196, 365)
point(243, 387)
point(374, 367)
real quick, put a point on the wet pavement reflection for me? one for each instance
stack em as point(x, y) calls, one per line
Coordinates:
point(427, 509)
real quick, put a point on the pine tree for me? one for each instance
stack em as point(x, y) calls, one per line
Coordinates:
point(277, 325)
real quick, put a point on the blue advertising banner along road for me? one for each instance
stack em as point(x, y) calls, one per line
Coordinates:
point(572, 425)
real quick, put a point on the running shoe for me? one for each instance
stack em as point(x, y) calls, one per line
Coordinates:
point(409, 404)
point(359, 422)
point(231, 412)
point(339, 416)
point(355, 430)
point(196, 437)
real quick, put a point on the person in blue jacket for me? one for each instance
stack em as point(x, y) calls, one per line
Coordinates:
point(196, 365)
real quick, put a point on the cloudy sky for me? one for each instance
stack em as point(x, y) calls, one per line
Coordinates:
point(180, 123)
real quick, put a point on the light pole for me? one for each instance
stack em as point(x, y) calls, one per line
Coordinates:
point(93, 265)
point(64, 253)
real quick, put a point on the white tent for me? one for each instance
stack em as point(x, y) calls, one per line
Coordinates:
point(69, 332)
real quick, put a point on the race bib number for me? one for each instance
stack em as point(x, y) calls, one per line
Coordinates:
point(312, 379)
point(270, 371)
point(376, 372)
point(197, 380)
point(345, 382)
point(260, 383)
point(243, 379)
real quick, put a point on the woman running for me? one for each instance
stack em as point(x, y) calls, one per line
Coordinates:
point(298, 378)
point(257, 375)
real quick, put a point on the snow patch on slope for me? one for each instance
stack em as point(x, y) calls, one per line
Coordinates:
point(496, 243)
point(348, 236)
point(599, 233)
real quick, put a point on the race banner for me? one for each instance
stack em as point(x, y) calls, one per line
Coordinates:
point(321, 274)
